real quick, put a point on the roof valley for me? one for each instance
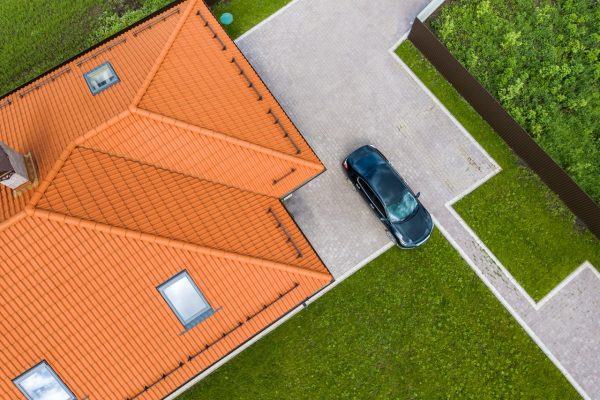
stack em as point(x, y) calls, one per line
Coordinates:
point(178, 165)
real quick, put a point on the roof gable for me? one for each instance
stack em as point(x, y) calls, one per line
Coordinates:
point(227, 96)
point(100, 187)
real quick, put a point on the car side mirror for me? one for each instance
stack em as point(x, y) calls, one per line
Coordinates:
point(418, 195)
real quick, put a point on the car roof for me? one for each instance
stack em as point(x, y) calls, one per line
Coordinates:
point(386, 183)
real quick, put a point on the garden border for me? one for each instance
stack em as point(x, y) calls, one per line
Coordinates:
point(517, 138)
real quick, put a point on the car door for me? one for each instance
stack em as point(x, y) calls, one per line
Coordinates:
point(372, 198)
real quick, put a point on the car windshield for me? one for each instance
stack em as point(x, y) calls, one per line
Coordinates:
point(401, 210)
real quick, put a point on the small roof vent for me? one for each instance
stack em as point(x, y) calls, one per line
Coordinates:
point(17, 171)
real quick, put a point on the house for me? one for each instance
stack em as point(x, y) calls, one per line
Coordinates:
point(143, 236)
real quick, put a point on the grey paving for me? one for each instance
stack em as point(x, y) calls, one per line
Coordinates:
point(328, 63)
point(559, 323)
point(328, 77)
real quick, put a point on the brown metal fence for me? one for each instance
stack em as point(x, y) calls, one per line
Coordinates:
point(513, 134)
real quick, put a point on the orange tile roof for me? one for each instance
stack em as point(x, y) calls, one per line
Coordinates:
point(85, 300)
point(164, 171)
point(196, 151)
point(239, 106)
point(112, 190)
point(48, 114)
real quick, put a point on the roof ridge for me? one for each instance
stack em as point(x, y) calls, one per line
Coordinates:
point(160, 167)
point(14, 219)
point(65, 155)
point(163, 54)
point(249, 79)
point(227, 138)
point(161, 240)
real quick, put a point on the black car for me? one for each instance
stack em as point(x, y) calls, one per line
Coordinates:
point(389, 196)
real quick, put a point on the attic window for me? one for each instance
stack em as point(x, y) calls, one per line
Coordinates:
point(186, 300)
point(101, 78)
point(42, 383)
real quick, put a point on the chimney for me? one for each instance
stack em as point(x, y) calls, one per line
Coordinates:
point(13, 168)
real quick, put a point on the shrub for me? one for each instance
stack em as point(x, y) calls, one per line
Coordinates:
point(540, 59)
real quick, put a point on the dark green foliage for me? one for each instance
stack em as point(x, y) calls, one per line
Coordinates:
point(540, 59)
point(415, 324)
point(123, 13)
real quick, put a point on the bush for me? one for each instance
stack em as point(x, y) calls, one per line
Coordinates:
point(123, 13)
point(540, 59)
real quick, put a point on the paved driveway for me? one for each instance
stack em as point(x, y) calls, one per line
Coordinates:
point(333, 74)
point(328, 63)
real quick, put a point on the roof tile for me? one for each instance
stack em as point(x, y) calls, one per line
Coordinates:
point(222, 100)
point(115, 191)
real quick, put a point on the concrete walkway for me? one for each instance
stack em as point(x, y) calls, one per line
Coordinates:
point(329, 64)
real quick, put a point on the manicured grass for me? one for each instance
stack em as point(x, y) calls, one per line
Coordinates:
point(124, 13)
point(246, 13)
point(36, 35)
point(522, 222)
point(410, 325)
point(416, 324)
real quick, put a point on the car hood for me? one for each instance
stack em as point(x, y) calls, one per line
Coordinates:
point(416, 229)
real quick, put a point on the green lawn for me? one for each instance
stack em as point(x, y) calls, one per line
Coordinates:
point(36, 35)
point(246, 13)
point(522, 222)
point(410, 325)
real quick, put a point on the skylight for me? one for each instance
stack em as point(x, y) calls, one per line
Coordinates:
point(101, 78)
point(185, 299)
point(42, 383)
